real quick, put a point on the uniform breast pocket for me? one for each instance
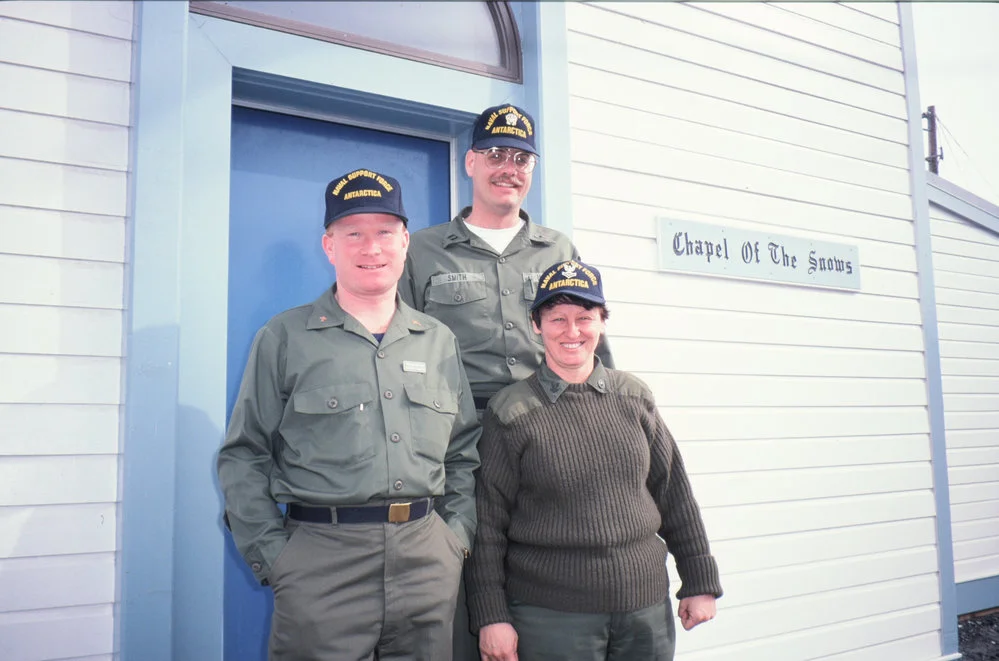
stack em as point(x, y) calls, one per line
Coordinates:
point(465, 309)
point(431, 416)
point(530, 291)
point(331, 425)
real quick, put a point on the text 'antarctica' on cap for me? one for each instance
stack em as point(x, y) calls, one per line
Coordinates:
point(504, 126)
point(363, 191)
point(571, 278)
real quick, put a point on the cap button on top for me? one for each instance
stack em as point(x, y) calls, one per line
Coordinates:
point(332, 403)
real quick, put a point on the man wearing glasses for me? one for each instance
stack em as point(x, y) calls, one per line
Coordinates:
point(479, 273)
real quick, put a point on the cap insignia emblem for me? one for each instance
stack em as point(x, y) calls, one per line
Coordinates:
point(511, 119)
point(569, 271)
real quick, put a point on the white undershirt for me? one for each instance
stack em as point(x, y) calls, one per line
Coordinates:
point(497, 239)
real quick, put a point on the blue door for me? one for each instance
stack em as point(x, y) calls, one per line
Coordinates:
point(280, 167)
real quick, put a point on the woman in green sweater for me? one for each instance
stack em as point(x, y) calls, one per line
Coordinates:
point(580, 485)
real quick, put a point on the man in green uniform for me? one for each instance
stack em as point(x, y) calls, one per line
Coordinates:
point(355, 411)
point(479, 273)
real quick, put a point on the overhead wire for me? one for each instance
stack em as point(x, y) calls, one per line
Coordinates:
point(951, 137)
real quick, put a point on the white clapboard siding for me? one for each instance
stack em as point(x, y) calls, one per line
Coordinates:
point(49, 233)
point(708, 457)
point(744, 588)
point(56, 581)
point(685, 165)
point(966, 266)
point(788, 549)
point(855, 640)
point(694, 138)
point(786, 19)
point(801, 412)
point(65, 83)
point(58, 429)
point(814, 610)
point(36, 329)
point(64, 95)
point(617, 24)
point(31, 280)
point(886, 11)
point(731, 117)
point(57, 633)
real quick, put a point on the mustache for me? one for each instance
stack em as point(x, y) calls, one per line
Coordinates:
point(506, 179)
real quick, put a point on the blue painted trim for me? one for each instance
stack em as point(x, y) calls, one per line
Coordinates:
point(553, 110)
point(171, 536)
point(931, 340)
point(964, 203)
point(146, 529)
point(979, 595)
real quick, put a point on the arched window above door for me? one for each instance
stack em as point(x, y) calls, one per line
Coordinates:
point(478, 37)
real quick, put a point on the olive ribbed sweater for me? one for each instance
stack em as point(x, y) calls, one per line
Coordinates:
point(577, 484)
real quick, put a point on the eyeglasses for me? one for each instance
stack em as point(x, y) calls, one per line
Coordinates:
point(497, 158)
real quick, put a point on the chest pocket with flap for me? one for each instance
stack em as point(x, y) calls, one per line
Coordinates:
point(431, 415)
point(330, 425)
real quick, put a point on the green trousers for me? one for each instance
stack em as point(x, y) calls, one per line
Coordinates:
point(648, 634)
point(359, 592)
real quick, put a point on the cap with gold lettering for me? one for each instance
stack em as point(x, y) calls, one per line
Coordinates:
point(363, 191)
point(571, 278)
point(504, 126)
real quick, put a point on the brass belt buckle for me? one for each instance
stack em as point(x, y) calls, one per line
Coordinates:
point(399, 512)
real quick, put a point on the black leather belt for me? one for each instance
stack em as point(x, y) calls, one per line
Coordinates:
point(392, 513)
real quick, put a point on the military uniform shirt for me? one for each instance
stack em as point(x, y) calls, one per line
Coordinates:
point(327, 416)
point(485, 297)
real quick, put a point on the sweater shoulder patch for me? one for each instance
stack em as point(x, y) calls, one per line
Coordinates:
point(629, 385)
point(514, 401)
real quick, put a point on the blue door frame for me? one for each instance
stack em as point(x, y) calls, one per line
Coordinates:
point(187, 72)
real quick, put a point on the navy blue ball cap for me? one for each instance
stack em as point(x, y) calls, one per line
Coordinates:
point(504, 126)
point(571, 278)
point(363, 191)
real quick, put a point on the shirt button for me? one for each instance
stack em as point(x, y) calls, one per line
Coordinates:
point(511, 361)
point(508, 325)
point(398, 485)
point(458, 298)
point(506, 292)
point(332, 403)
point(502, 260)
point(601, 384)
point(388, 394)
point(256, 566)
point(395, 438)
point(437, 404)
point(381, 354)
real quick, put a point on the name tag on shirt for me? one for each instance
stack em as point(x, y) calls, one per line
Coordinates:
point(416, 366)
point(445, 278)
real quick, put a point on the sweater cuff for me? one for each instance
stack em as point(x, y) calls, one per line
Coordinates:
point(699, 575)
point(487, 608)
